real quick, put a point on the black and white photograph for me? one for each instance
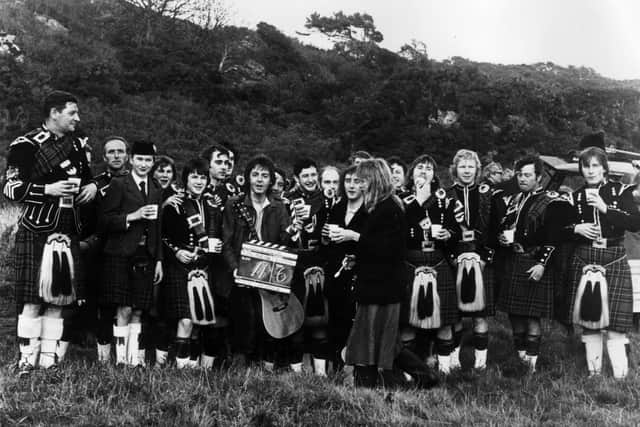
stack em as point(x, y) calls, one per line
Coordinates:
point(329, 213)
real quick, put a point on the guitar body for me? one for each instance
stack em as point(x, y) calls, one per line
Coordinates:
point(282, 314)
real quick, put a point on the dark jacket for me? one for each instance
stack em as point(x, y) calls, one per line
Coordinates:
point(381, 254)
point(123, 197)
point(235, 231)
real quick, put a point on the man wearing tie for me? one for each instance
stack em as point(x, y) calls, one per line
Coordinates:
point(132, 252)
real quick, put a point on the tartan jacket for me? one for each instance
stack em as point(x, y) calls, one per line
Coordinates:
point(39, 158)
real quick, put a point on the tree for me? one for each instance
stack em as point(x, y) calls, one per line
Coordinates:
point(354, 33)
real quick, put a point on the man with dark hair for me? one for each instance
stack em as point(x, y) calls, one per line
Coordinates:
point(528, 230)
point(132, 253)
point(309, 205)
point(221, 161)
point(356, 157)
point(49, 175)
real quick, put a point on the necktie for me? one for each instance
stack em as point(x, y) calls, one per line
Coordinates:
point(142, 189)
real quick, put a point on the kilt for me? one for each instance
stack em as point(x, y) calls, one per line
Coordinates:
point(449, 313)
point(27, 257)
point(175, 296)
point(521, 296)
point(619, 286)
point(123, 284)
point(488, 278)
point(374, 338)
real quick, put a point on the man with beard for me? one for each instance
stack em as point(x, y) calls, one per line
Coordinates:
point(49, 175)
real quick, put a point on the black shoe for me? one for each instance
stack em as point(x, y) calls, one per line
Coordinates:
point(365, 376)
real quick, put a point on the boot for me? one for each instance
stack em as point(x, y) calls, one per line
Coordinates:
point(365, 376)
point(29, 330)
point(121, 337)
point(593, 348)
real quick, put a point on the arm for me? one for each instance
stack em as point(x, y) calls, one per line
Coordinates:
point(384, 235)
point(112, 219)
point(17, 185)
point(626, 216)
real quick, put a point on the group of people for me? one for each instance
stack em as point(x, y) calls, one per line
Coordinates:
point(388, 261)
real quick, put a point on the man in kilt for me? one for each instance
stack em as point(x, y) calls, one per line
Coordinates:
point(472, 253)
point(600, 290)
point(192, 232)
point(527, 231)
point(132, 250)
point(48, 173)
point(311, 206)
point(115, 151)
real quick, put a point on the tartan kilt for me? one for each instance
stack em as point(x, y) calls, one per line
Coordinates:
point(123, 287)
point(619, 285)
point(27, 257)
point(175, 296)
point(449, 313)
point(488, 278)
point(521, 296)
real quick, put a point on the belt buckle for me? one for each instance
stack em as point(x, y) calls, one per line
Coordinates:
point(468, 236)
point(599, 243)
point(66, 202)
point(428, 246)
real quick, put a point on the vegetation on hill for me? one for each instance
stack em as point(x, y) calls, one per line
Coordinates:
point(146, 75)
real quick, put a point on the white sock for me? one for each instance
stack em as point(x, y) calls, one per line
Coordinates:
point(522, 355)
point(161, 357)
point(51, 332)
point(29, 328)
point(182, 362)
point(268, 366)
point(320, 367)
point(296, 367)
point(481, 359)
point(444, 364)
point(61, 350)
point(593, 346)
point(616, 347)
point(454, 358)
point(104, 353)
point(531, 361)
point(133, 347)
point(206, 362)
point(121, 337)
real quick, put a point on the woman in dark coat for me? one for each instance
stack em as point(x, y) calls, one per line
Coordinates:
point(380, 270)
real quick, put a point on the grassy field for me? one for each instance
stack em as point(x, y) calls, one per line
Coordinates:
point(85, 393)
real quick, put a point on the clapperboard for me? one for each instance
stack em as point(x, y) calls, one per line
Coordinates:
point(266, 266)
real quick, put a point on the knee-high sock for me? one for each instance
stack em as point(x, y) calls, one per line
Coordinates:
point(455, 353)
point(29, 331)
point(121, 338)
point(617, 349)
point(133, 354)
point(593, 346)
point(480, 342)
point(52, 329)
point(532, 345)
point(444, 347)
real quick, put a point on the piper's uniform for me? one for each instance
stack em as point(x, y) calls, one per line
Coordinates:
point(429, 261)
point(309, 279)
point(532, 215)
point(188, 227)
point(588, 301)
point(473, 213)
point(47, 225)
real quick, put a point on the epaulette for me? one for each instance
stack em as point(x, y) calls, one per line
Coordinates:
point(568, 197)
point(230, 188)
point(484, 188)
point(38, 135)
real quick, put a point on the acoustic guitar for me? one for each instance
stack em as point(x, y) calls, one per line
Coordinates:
point(269, 268)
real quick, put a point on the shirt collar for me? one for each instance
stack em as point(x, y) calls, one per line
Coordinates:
point(138, 180)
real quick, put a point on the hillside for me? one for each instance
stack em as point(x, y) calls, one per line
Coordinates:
point(145, 76)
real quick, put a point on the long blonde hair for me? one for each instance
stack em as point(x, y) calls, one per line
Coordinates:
point(377, 174)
